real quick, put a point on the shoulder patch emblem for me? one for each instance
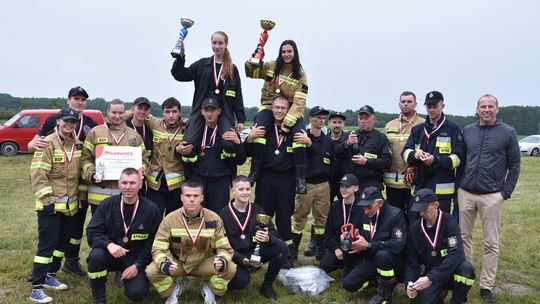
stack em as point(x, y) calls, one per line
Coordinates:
point(452, 241)
point(133, 142)
point(38, 154)
point(398, 233)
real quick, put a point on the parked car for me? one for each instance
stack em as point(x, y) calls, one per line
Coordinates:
point(530, 145)
point(18, 131)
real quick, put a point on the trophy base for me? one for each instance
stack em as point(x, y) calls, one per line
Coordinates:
point(177, 53)
point(255, 61)
point(255, 259)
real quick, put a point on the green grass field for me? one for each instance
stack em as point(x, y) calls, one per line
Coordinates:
point(518, 279)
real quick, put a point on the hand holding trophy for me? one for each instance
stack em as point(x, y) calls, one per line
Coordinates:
point(178, 50)
point(262, 222)
point(259, 52)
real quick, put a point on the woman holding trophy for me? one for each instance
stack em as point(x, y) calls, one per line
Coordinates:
point(216, 77)
point(282, 77)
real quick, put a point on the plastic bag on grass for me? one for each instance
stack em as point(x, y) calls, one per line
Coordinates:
point(308, 280)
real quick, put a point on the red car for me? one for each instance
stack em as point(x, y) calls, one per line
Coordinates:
point(18, 131)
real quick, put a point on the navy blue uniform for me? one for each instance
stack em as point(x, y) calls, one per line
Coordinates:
point(337, 168)
point(445, 265)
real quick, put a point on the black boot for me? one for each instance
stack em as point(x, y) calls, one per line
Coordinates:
point(384, 295)
point(301, 187)
point(293, 248)
point(310, 249)
point(257, 155)
point(319, 247)
point(267, 291)
point(99, 296)
point(73, 267)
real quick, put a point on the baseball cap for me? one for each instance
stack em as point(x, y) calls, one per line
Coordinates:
point(369, 195)
point(77, 91)
point(210, 102)
point(141, 100)
point(366, 110)
point(318, 111)
point(434, 97)
point(422, 199)
point(337, 114)
point(67, 114)
point(349, 180)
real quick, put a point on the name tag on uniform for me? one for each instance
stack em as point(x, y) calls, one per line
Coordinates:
point(445, 150)
point(58, 159)
point(369, 155)
point(38, 154)
point(139, 236)
point(102, 140)
point(366, 227)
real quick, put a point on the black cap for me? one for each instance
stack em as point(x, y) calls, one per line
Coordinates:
point(422, 199)
point(434, 97)
point(67, 114)
point(349, 180)
point(369, 196)
point(337, 114)
point(318, 111)
point(210, 102)
point(77, 91)
point(366, 110)
point(141, 100)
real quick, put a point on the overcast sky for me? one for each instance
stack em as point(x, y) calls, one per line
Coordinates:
point(354, 52)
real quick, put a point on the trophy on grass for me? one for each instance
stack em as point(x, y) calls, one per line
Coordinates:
point(178, 50)
point(259, 52)
point(262, 222)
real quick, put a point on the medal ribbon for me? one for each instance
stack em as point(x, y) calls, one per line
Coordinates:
point(346, 219)
point(116, 140)
point(171, 138)
point(212, 138)
point(279, 81)
point(373, 228)
point(279, 138)
point(143, 135)
point(217, 77)
point(193, 240)
point(81, 121)
point(126, 228)
point(244, 226)
point(428, 135)
point(437, 230)
point(401, 128)
point(69, 155)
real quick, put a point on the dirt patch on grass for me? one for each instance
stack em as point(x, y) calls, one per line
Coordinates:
point(3, 293)
point(516, 289)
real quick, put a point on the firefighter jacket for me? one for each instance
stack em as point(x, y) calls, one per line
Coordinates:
point(101, 136)
point(336, 218)
point(374, 146)
point(214, 161)
point(295, 90)
point(146, 134)
point(54, 175)
point(319, 159)
point(164, 159)
point(107, 226)
point(337, 164)
point(398, 131)
point(202, 73)
point(437, 264)
point(445, 143)
point(284, 160)
point(174, 242)
point(244, 246)
point(387, 230)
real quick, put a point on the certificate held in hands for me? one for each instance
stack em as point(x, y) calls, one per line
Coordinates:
point(112, 160)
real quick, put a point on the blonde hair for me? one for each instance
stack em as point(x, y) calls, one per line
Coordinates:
point(227, 66)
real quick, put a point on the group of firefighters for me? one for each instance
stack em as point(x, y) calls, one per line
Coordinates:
point(177, 218)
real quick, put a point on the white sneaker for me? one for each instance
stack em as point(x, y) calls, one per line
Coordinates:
point(208, 294)
point(173, 298)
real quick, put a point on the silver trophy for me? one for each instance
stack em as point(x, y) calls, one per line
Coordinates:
point(178, 50)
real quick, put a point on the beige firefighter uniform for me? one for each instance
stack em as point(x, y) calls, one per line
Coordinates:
point(295, 90)
point(101, 136)
point(398, 131)
point(55, 179)
point(174, 243)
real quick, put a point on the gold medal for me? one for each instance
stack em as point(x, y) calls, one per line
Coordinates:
point(276, 152)
point(125, 239)
point(278, 91)
point(434, 253)
point(217, 91)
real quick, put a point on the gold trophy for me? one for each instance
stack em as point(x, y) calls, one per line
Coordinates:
point(259, 52)
point(262, 222)
point(178, 50)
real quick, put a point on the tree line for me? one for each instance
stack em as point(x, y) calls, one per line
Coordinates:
point(525, 119)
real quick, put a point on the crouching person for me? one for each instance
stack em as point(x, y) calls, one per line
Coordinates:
point(246, 225)
point(435, 258)
point(191, 241)
point(120, 234)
